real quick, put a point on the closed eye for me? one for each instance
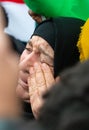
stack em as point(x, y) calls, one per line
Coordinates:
point(29, 50)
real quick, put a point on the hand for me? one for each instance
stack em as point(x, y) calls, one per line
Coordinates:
point(35, 16)
point(39, 81)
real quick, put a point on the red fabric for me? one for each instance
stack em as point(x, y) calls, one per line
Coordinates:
point(17, 1)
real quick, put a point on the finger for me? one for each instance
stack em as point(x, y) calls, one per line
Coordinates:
point(49, 78)
point(32, 82)
point(38, 19)
point(31, 13)
point(37, 104)
point(41, 83)
point(35, 99)
point(35, 16)
point(22, 93)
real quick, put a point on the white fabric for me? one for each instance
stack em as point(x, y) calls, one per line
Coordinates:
point(21, 25)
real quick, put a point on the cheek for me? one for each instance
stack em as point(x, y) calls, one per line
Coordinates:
point(23, 56)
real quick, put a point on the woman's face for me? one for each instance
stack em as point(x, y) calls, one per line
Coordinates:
point(37, 50)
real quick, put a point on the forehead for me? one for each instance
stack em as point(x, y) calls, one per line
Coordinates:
point(36, 41)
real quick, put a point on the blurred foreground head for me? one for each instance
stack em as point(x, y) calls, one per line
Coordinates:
point(9, 104)
point(67, 104)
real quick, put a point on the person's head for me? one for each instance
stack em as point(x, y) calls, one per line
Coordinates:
point(9, 59)
point(66, 105)
point(54, 43)
point(7, 50)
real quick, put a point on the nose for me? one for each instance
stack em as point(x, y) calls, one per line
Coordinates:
point(28, 60)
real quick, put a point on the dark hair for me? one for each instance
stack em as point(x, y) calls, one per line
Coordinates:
point(6, 17)
point(67, 104)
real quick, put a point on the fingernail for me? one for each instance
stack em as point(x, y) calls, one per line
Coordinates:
point(36, 65)
point(44, 66)
point(31, 70)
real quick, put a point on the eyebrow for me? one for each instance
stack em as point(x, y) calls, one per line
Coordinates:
point(30, 43)
point(41, 49)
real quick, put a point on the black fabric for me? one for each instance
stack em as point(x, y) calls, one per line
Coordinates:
point(18, 45)
point(62, 34)
point(46, 31)
point(66, 52)
point(27, 114)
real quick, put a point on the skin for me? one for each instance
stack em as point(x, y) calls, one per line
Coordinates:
point(35, 72)
point(44, 74)
point(40, 80)
point(9, 103)
point(35, 16)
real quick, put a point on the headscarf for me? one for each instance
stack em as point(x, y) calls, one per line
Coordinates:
point(62, 34)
